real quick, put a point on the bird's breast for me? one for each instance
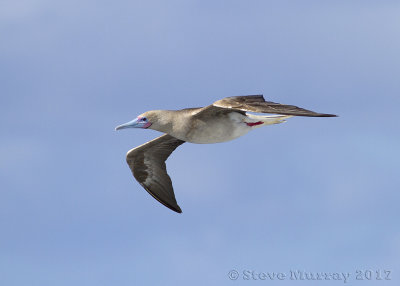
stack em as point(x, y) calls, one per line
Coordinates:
point(216, 130)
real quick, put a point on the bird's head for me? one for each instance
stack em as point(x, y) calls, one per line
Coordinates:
point(144, 121)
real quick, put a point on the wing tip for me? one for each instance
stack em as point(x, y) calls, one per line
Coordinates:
point(328, 115)
point(174, 208)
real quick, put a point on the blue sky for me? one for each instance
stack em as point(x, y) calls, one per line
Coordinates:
point(313, 194)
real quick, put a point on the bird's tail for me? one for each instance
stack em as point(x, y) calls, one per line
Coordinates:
point(268, 119)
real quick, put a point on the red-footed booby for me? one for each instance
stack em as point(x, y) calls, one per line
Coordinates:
point(222, 121)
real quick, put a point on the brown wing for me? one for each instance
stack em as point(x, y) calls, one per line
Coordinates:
point(147, 163)
point(257, 103)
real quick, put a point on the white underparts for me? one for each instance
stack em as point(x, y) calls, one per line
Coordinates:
point(230, 127)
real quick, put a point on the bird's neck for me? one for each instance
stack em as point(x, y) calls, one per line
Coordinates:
point(165, 120)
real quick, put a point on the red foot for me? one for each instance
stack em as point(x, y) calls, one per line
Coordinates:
point(254, 123)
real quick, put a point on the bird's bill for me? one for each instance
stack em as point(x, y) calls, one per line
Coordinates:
point(131, 124)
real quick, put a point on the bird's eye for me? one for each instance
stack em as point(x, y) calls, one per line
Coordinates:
point(144, 119)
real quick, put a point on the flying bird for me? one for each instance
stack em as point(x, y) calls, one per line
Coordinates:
point(222, 121)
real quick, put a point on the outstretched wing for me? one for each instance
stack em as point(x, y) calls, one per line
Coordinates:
point(257, 103)
point(147, 163)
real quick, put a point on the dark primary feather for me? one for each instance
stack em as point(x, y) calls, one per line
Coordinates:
point(147, 163)
point(257, 103)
